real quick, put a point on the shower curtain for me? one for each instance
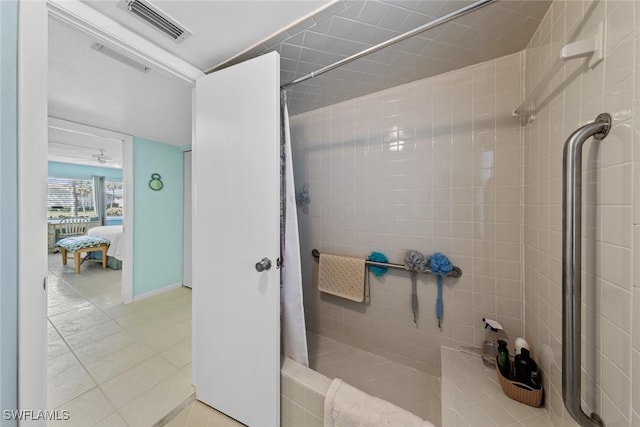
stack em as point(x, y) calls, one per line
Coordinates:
point(294, 334)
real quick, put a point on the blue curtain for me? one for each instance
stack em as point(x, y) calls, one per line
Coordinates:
point(98, 198)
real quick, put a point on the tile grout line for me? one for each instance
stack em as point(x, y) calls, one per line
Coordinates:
point(73, 352)
point(170, 306)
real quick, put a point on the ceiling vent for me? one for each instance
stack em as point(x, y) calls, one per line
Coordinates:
point(156, 18)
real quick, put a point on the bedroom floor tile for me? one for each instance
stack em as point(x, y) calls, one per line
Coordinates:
point(105, 302)
point(105, 346)
point(86, 337)
point(105, 356)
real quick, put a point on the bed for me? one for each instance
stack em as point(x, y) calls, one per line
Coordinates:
point(113, 233)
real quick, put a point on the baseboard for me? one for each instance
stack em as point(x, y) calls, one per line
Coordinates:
point(157, 292)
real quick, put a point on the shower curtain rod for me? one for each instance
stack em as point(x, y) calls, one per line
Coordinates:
point(432, 24)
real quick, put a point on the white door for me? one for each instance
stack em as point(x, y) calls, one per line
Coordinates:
point(236, 309)
point(187, 255)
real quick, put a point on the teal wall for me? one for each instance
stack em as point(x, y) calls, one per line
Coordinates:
point(8, 208)
point(158, 216)
point(68, 170)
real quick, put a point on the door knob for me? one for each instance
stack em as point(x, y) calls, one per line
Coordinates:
point(263, 264)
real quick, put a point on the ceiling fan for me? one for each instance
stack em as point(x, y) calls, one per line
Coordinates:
point(102, 158)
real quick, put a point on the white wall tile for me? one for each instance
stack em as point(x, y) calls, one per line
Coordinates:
point(428, 157)
point(583, 94)
point(620, 16)
point(477, 215)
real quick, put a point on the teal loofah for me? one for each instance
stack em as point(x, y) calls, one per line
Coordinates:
point(378, 257)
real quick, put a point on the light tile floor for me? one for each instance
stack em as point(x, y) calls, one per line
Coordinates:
point(197, 414)
point(115, 365)
point(401, 385)
point(111, 364)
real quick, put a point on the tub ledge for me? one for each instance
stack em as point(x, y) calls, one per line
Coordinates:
point(472, 396)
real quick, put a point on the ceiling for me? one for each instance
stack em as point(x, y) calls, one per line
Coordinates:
point(88, 87)
point(68, 145)
point(346, 28)
point(221, 28)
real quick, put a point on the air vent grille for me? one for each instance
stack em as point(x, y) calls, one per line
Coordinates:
point(158, 19)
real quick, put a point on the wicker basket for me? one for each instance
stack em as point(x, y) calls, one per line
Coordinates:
point(519, 391)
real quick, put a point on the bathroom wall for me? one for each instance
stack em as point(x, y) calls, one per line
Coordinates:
point(157, 240)
point(572, 97)
point(435, 165)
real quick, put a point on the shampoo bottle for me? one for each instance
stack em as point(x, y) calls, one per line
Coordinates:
point(526, 369)
point(504, 363)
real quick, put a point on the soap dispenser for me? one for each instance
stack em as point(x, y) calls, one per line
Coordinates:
point(493, 333)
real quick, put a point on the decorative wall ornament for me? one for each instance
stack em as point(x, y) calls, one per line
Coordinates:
point(156, 183)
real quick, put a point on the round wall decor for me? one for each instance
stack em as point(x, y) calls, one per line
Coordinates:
point(156, 183)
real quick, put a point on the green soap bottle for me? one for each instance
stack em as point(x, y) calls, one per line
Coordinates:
point(503, 359)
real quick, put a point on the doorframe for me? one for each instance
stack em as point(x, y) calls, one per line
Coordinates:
point(127, 181)
point(32, 149)
point(32, 193)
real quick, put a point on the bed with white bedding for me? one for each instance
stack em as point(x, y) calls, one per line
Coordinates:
point(115, 234)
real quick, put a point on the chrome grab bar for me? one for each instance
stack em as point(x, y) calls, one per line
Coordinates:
point(572, 268)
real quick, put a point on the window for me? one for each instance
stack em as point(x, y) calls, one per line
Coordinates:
point(113, 198)
point(69, 197)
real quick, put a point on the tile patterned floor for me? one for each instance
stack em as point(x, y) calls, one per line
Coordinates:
point(401, 385)
point(115, 365)
point(197, 414)
point(111, 364)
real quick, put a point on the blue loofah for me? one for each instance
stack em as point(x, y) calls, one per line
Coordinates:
point(439, 264)
point(378, 257)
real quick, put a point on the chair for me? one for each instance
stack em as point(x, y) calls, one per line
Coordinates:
point(69, 227)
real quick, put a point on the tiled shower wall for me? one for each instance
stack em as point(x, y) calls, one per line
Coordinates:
point(435, 166)
point(572, 97)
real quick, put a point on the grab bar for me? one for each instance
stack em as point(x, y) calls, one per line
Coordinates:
point(455, 272)
point(572, 268)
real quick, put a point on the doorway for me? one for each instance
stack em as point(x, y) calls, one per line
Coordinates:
point(89, 182)
point(90, 177)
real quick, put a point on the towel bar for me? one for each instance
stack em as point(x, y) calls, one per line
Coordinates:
point(456, 272)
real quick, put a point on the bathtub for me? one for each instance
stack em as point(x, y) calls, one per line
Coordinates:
point(303, 389)
point(468, 393)
point(302, 393)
